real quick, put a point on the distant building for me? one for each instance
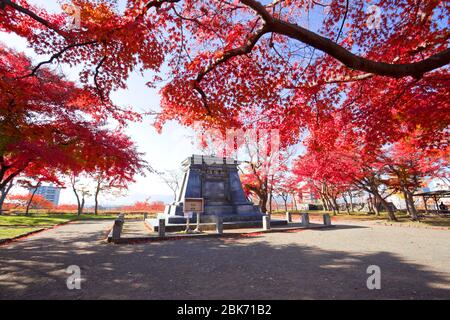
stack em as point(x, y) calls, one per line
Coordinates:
point(50, 193)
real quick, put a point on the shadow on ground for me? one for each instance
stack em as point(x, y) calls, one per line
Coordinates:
point(214, 268)
point(341, 227)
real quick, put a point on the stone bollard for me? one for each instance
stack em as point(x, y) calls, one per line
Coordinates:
point(305, 219)
point(219, 225)
point(161, 227)
point(117, 229)
point(326, 219)
point(266, 222)
point(288, 216)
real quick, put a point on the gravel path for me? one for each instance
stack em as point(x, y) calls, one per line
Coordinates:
point(311, 264)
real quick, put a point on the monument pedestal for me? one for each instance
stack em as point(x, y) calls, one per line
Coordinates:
point(211, 226)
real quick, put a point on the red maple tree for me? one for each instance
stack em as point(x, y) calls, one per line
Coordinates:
point(50, 126)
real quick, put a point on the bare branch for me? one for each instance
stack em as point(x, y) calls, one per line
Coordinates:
point(243, 50)
point(58, 55)
point(97, 72)
point(343, 21)
point(203, 97)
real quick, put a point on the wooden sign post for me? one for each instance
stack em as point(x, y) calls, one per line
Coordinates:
point(193, 205)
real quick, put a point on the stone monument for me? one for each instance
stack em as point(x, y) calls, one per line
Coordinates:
point(216, 180)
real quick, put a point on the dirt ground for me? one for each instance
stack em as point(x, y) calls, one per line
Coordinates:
point(310, 264)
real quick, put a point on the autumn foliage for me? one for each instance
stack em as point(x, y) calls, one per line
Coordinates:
point(67, 207)
point(21, 201)
point(144, 206)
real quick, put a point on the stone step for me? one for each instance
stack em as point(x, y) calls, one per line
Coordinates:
point(204, 218)
point(174, 227)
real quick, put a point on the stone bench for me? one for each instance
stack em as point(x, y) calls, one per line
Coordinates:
point(305, 219)
point(219, 224)
point(117, 227)
point(266, 222)
point(326, 219)
point(288, 217)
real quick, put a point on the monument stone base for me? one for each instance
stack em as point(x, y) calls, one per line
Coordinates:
point(210, 225)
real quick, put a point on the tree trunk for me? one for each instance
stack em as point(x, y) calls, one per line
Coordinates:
point(263, 202)
point(410, 203)
point(31, 199)
point(277, 206)
point(80, 211)
point(270, 203)
point(3, 193)
point(2, 200)
point(375, 208)
point(294, 202)
point(408, 210)
point(346, 204)
point(96, 205)
point(324, 203)
point(384, 203)
point(351, 201)
point(331, 207)
point(330, 204)
point(327, 204)
point(97, 192)
point(374, 204)
point(370, 203)
point(78, 202)
point(335, 205)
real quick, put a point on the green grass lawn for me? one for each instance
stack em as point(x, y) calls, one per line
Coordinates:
point(403, 218)
point(11, 232)
point(426, 221)
point(45, 219)
point(15, 225)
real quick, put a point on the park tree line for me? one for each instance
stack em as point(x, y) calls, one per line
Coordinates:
point(337, 168)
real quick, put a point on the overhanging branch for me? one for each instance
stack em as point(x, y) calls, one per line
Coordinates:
point(227, 55)
point(58, 55)
point(293, 31)
point(34, 16)
point(243, 50)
